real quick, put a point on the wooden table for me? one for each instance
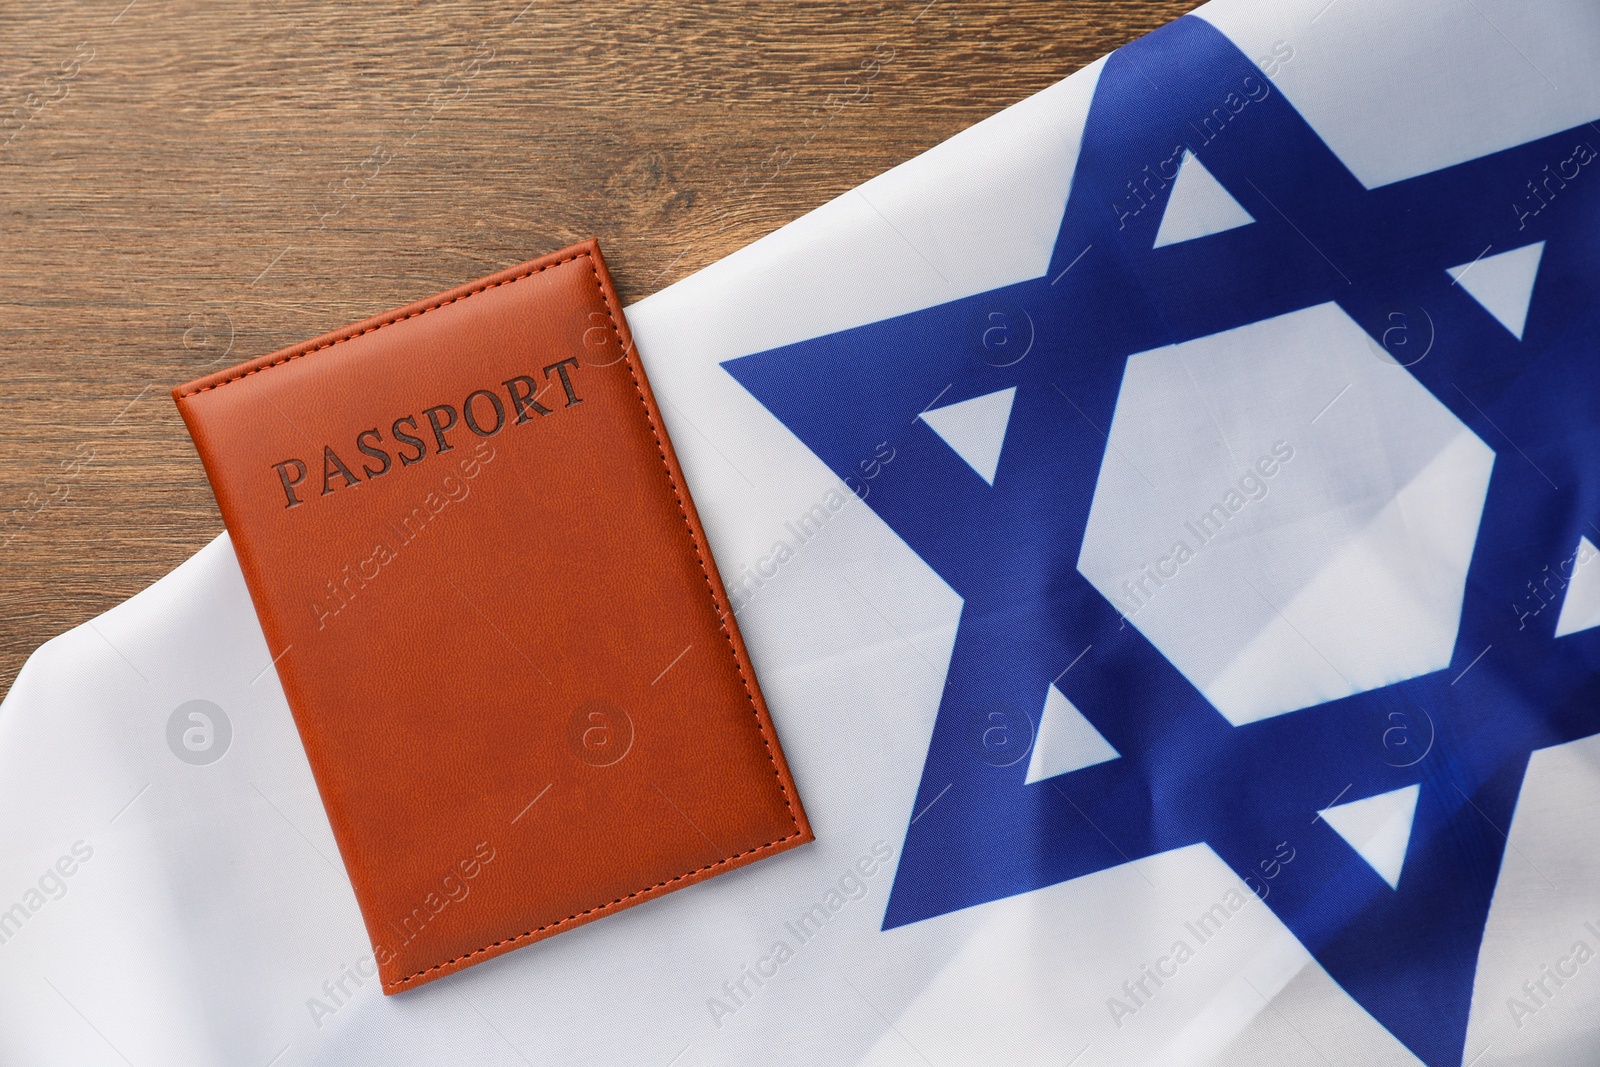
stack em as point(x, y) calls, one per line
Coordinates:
point(187, 185)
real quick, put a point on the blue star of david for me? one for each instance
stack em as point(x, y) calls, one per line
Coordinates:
point(977, 832)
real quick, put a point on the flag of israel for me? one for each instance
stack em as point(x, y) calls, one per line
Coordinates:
point(1164, 521)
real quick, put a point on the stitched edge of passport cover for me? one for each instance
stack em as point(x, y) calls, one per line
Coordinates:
point(590, 251)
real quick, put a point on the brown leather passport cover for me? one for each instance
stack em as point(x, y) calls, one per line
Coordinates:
point(505, 645)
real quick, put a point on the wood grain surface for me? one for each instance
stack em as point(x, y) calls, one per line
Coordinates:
point(184, 186)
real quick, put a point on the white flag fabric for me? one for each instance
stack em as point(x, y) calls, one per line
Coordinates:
point(1160, 517)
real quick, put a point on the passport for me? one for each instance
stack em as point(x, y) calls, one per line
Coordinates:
point(505, 644)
